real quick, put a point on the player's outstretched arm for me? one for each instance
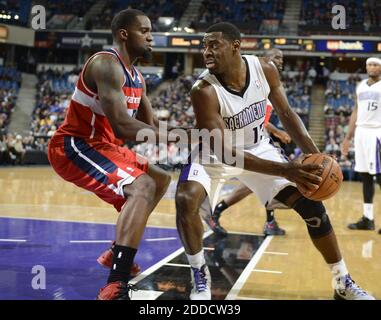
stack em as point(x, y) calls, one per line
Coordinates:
point(206, 109)
point(145, 112)
point(290, 120)
point(109, 77)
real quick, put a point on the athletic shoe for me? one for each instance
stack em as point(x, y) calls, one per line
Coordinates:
point(214, 224)
point(200, 284)
point(363, 224)
point(105, 260)
point(347, 289)
point(272, 229)
point(116, 291)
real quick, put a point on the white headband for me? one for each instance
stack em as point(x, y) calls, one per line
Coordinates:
point(373, 60)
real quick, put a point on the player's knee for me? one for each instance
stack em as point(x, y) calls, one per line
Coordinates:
point(143, 186)
point(367, 187)
point(315, 216)
point(188, 199)
point(164, 181)
point(367, 179)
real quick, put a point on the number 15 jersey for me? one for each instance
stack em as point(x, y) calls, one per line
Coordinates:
point(368, 104)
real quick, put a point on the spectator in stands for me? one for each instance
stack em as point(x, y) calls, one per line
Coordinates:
point(332, 148)
point(41, 144)
point(19, 150)
point(326, 73)
point(73, 77)
point(175, 69)
point(312, 73)
point(28, 142)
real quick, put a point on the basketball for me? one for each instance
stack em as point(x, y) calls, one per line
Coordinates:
point(330, 173)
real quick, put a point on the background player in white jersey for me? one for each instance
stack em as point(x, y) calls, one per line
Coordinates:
point(234, 85)
point(271, 226)
point(365, 126)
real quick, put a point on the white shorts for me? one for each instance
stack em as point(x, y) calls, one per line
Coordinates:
point(368, 150)
point(213, 177)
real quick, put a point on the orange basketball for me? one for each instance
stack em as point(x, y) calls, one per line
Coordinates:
point(330, 173)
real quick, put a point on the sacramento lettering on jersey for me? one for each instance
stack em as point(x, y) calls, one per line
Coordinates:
point(248, 115)
point(369, 95)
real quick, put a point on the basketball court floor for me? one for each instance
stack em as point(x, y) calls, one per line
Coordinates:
point(48, 223)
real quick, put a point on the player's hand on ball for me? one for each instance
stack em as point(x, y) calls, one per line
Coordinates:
point(330, 174)
point(303, 175)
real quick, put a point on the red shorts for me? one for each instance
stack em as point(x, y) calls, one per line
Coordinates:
point(99, 167)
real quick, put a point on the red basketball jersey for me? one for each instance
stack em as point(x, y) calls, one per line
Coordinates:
point(85, 117)
point(269, 110)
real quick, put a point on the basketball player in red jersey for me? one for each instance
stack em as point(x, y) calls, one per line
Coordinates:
point(109, 105)
point(271, 226)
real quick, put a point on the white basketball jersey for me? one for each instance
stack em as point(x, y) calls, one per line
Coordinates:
point(243, 113)
point(368, 104)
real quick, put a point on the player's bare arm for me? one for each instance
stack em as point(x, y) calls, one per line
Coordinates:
point(206, 109)
point(290, 120)
point(351, 130)
point(108, 79)
point(145, 112)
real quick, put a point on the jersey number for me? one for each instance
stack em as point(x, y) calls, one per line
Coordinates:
point(372, 106)
point(257, 133)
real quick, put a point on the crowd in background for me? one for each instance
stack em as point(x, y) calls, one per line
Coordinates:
point(340, 95)
point(212, 11)
point(319, 12)
point(10, 80)
point(340, 101)
point(54, 90)
point(251, 16)
point(154, 9)
point(13, 147)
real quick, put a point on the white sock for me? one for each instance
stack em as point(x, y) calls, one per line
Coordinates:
point(368, 210)
point(197, 260)
point(338, 269)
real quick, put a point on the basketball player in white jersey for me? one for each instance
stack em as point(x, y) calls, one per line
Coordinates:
point(231, 95)
point(271, 226)
point(365, 126)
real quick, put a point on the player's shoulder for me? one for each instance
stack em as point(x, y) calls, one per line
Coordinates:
point(105, 64)
point(104, 61)
point(361, 83)
point(202, 85)
point(267, 65)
